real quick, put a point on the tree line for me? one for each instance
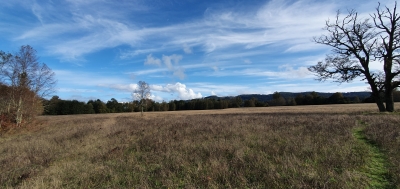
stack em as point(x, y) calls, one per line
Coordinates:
point(57, 106)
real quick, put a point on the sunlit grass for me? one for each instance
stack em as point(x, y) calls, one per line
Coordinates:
point(376, 164)
point(242, 148)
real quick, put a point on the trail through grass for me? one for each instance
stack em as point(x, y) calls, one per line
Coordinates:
point(376, 165)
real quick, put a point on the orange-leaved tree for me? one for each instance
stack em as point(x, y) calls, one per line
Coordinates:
point(24, 82)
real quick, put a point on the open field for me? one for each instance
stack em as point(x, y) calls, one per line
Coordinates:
point(330, 146)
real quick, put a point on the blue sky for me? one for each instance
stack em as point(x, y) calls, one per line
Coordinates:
point(100, 49)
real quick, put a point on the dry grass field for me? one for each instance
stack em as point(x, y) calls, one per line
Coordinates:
point(329, 146)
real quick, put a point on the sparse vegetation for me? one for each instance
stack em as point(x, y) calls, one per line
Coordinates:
point(274, 147)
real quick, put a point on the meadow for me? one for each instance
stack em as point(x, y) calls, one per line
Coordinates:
point(326, 146)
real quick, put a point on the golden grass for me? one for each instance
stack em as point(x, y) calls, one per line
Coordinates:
point(272, 147)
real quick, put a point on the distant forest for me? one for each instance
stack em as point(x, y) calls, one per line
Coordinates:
point(57, 106)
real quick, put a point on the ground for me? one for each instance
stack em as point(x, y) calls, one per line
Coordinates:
point(327, 146)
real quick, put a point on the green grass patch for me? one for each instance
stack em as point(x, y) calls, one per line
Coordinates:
point(376, 164)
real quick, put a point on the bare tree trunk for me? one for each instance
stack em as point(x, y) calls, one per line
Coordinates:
point(387, 67)
point(9, 106)
point(389, 100)
point(18, 117)
point(380, 104)
point(375, 92)
point(379, 101)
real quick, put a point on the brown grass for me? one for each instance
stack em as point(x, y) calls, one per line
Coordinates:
point(274, 147)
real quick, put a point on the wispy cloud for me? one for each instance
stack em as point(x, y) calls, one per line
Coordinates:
point(122, 87)
point(285, 72)
point(224, 89)
point(171, 63)
point(217, 30)
point(187, 49)
point(151, 60)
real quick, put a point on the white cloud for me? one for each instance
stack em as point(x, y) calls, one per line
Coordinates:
point(376, 65)
point(247, 61)
point(127, 54)
point(179, 72)
point(156, 98)
point(183, 93)
point(305, 46)
point(286, 71)
point(75, 90)
point(187, 49)
point(225, 89)
point(215, 68)
point(290, 72)
point(37, 12)
point(122, 87)
point(171, 61)
point(151, 60)
point(304, 86)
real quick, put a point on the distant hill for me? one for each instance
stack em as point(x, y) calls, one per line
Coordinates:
point(286, 95)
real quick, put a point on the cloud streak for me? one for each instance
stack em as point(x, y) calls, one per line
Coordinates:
point(217, 30)
point(152, 61)
point(170, 62)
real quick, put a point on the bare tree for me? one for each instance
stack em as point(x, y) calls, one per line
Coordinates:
point(142, 94)
point(27, 81)
point(387, 22)
point(356, 43)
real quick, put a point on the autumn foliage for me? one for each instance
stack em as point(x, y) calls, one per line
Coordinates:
point(24, 82)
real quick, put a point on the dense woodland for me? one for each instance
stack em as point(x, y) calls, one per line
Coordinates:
point(57, 106)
